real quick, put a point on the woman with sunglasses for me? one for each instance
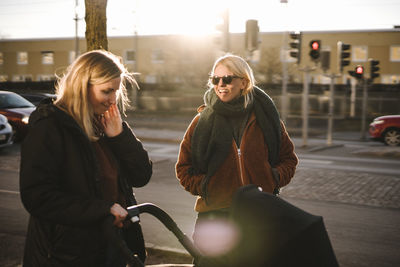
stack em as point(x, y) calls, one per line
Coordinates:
point(79, 163)
point(237, 138)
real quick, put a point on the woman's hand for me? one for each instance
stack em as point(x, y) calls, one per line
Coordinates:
point(112, 122)
point(119, 213)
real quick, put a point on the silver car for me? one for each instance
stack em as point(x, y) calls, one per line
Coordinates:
point(6, 132)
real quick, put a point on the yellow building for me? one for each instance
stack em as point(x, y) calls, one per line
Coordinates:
point(187, 60)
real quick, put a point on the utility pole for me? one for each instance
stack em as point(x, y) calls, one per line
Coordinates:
point(315, 47)
point(364, 109)
point(284, 97)
point(134, 90)
point(353, 98)
point(284, 100)
point(305, 107)
point(295, 52)
point(342, 61)
point(331, 110)
point(251, 41)
point(76, 29)
point(223, 28)
point(358, 73)
point(325, 64)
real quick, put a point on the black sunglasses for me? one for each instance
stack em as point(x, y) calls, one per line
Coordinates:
point(227, 79)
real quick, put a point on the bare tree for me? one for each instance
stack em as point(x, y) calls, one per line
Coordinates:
point(96, 24)
point(270, 66)
point(269, 69)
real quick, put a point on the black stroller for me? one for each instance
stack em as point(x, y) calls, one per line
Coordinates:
point(273, 233)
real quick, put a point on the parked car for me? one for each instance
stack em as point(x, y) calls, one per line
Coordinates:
point(17, 110)
point(6, 132)
point(36, 97)
point(386, 129)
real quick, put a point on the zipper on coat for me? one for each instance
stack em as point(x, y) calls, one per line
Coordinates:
point(239, 152)
point(240, 165)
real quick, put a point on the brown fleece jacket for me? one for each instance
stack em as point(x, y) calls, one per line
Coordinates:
point(250, 166)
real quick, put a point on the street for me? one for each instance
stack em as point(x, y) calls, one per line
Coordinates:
point(357, 195)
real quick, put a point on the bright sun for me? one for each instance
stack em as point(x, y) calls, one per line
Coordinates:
point(188, 17)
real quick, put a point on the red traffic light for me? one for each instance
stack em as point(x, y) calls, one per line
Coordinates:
point(358, 73)
point(315, 45)
point(360, 69)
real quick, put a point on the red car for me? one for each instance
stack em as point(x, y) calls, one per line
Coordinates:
point(17, 110)
point(386, 129)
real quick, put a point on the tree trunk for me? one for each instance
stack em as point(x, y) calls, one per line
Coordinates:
point(96, 24)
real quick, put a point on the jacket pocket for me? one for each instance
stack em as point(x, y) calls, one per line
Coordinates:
point(74, 244)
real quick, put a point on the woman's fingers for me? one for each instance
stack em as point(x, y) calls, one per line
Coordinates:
point(119, 213)
point(112, 121)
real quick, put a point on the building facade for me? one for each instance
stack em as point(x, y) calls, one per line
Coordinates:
point(187, 60)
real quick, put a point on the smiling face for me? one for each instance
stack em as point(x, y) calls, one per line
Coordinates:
point(102, 96)
point(227, 92)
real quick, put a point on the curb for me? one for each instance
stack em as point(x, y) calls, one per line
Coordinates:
point(153, 247)
point(167, 257)
point(324, 147)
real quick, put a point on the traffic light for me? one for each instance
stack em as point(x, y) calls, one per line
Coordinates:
point(358, 73)
point(252, 31)
point(343, 55)
point(373, 69)
point(295, 44)
point(315, 46)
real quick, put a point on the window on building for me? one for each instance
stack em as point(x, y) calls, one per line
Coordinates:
point(151, 78)
point(157, 56)
point(390, 79)
point(47, 57)
point(1, 58)
point(395, 53)
point(130, 56)
point(46, 77)
point(22, 58)
point(324, 80)
point(359, 53)
point(22, 78)
point(3, 78)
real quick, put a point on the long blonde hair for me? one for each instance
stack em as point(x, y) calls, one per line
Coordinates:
point(91, 68)
point(239, 67)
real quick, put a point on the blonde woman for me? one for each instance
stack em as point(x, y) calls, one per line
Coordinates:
point(79, 163)
point(236, 139)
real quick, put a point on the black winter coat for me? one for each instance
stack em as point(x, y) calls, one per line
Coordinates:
point(59, 188)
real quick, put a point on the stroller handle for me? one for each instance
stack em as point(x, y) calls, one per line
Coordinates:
point(134, 211)
point(110, 233)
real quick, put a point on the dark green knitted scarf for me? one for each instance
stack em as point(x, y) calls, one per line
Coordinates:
point(212, 137)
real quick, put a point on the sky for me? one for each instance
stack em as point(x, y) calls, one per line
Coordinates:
point(30, 19)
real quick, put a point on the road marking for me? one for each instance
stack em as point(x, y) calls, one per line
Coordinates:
point(388, 171)
point(349, 159)
point(315, 161)
point(9, 192)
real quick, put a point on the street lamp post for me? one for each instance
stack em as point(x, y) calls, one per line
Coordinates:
point(76, 30)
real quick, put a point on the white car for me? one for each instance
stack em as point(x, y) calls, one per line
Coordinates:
point(6, 132)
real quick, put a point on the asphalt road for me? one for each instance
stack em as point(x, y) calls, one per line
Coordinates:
point(357, 195)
